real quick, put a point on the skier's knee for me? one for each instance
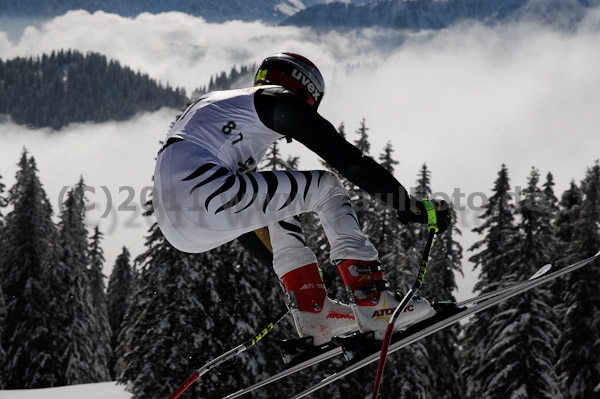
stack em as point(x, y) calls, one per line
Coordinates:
point(330, 182)
point(332, 192)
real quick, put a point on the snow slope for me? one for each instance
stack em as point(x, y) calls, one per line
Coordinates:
point(102, 390)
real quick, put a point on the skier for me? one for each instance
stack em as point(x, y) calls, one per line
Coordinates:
point(207, 193)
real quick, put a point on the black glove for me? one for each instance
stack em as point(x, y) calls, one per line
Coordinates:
point(441, 215)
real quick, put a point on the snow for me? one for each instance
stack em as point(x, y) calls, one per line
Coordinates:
point(101, 390)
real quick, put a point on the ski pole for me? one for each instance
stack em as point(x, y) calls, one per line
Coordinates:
point(387, 339)
point(228, 355)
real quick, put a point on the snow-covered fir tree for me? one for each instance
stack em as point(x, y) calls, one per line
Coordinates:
point(387, 234)
point(118, 297)
point(389, 221)
point(408, 375)
point(273, 159)
point(411, 238)
point(423, 187)
point(166, 324)
point(579, 364)
point(494, 253)
point(414, 236)
point(250, 296)
point(444, 347)
point(569, 210)
point(32, 332)
point(549, 192)
point(81, 364)
point(2, 303)
point(189, 308)
point(364, 205)
point(520, 355)
point(342, 129)
point(2, 321)
point(363, 143)
point(2, 201)
point(567, 221)
point(102, 350)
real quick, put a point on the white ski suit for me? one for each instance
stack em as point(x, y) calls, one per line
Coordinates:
point(206, 193)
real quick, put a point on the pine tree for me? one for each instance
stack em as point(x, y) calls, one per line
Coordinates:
point(567, 219)
point(446, 257)
point(444, 347)
point(3, 203)
point(80, 321)
point(567, 222)
point(189, 308)
point(32, 333)
point(363, 143)
point(342, 130)
point(496, 251)
point(250, 295)
point(233, 80)
point(2, 321)
point(549, 192)
point(364, 205)
point(67, 86)
point(521, 350)
point(500, 234)
point(118, 298)
point(578, 363)
point(414, 236)
point(102, 342)
point(386, 236)
point(165, 325)
point(410, 375)
point(274, 161)
point(423, 189)
point(389, 221)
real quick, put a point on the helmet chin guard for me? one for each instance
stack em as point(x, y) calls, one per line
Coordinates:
point(295, 73)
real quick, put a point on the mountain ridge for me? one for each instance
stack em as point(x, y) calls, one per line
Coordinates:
point(325, 14)
point(272, 11)
point(436, 14)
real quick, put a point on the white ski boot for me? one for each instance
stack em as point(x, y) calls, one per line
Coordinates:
point(316, 316)
point(373, 304)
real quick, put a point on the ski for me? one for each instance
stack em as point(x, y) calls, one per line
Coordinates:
point(540, 272)
point(335, 350)
point(417, 332)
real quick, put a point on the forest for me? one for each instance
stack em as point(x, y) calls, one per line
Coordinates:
point(54, 90)
point(164, 313)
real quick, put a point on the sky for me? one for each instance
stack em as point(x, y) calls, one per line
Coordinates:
point(463, 100)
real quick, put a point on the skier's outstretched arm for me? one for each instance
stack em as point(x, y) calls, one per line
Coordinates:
point(289, 115)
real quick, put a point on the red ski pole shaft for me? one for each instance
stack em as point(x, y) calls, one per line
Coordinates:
point(185, 385)
point(387, 339)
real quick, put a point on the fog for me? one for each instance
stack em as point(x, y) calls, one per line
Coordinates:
point(464, 100)
point(116, 161)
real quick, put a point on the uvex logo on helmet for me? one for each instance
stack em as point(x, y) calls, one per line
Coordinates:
point(307, 83)
point(295, 73)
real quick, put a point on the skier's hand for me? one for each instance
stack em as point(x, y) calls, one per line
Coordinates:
point(438, 219)
point(439, 215)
